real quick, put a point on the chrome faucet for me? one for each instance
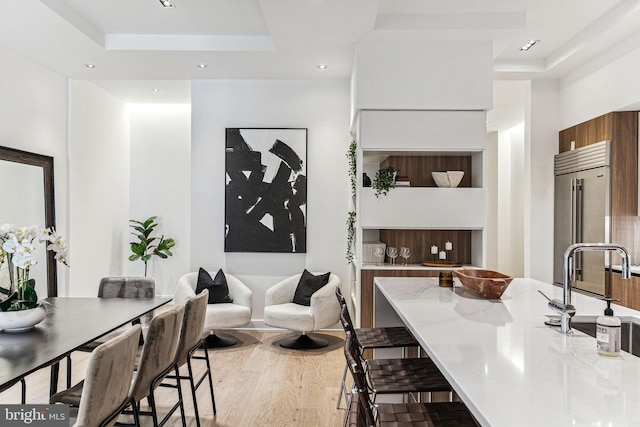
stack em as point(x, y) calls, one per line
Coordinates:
point(567, 310)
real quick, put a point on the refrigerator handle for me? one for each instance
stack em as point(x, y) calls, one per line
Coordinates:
point(577, 218)
point(574, 209)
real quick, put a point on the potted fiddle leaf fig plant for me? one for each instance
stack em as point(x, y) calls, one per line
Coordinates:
point(147, 245)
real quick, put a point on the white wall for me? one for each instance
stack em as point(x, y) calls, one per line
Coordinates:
point(160, 179)
point(491, 211)
point(588, 93)
point(510, 215)
point(436, 75)
point(320, 106)
point(33, 117)
point(541, 144)
point(99, 187)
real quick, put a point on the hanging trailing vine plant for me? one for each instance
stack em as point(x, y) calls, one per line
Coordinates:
point(384, 180)
point(351, 234)
point(351, 155)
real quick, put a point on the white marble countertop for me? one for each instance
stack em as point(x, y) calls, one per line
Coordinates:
point(510, 368)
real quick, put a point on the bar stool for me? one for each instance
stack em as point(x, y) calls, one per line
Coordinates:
point(361, 408)
point(399, 376)
point(369, 339)
point(102, 396)
point(195, 309)
point(120, 287)
point(158, 359)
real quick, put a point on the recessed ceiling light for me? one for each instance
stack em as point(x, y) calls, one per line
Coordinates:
point(167, 3)
point(322, 66)
point(90, 65)
point(528, 45)
point(154, 90)
point(203, 66)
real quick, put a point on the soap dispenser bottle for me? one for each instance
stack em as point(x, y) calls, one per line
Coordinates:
point(608, 331)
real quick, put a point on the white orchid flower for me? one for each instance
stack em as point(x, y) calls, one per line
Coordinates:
point(54, 247)
point(24, 261)
point(7, 228)
point(21, 232)
point(18, 246)
point(44, 234)
point(25, 247)
point(59, 241)
point(33, 231)
point(10, 245)
point(61, 257)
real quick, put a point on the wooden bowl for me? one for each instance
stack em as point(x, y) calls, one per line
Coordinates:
point(485, 283)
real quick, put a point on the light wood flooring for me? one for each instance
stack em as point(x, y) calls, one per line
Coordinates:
point(257, 383)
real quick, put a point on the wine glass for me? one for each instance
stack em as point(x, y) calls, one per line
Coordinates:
point(405, 253)
point(378, 252)
point(392, 253)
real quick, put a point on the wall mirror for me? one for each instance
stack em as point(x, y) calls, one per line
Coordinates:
point(26, 180)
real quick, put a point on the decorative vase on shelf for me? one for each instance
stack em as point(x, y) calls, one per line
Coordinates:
point(20, 309)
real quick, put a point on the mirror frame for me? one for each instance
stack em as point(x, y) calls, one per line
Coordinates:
point(46, 163)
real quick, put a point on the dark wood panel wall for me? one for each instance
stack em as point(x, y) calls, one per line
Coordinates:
point(622, 129)
point(420, 242)
point(627, 291)
point(587, 133)
point(419, 168)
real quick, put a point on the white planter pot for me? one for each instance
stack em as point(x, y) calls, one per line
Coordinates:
point(23, 320)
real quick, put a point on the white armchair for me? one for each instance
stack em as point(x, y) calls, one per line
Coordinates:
point(281, 312)
point(219, 316)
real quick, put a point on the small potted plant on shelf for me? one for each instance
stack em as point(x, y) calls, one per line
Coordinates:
point(384, 180)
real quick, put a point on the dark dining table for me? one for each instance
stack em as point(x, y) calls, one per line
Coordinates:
point(69, 323)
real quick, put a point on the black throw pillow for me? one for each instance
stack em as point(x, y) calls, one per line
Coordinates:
point(308, 285)
point(218, 288)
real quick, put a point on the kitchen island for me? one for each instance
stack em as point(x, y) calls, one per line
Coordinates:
point(506, 365)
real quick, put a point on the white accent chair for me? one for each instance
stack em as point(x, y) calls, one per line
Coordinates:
point(219, 316)
point(281, 312)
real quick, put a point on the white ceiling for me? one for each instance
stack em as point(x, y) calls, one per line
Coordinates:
point(138, 45)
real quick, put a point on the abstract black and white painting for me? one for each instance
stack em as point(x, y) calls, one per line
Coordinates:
point(266, 190)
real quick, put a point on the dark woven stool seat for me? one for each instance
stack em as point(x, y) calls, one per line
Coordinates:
point(449, 414)
point(369, 338)
point(389, 376)
point(361, 408)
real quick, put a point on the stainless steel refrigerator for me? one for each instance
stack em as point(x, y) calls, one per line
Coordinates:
point(582, 211)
